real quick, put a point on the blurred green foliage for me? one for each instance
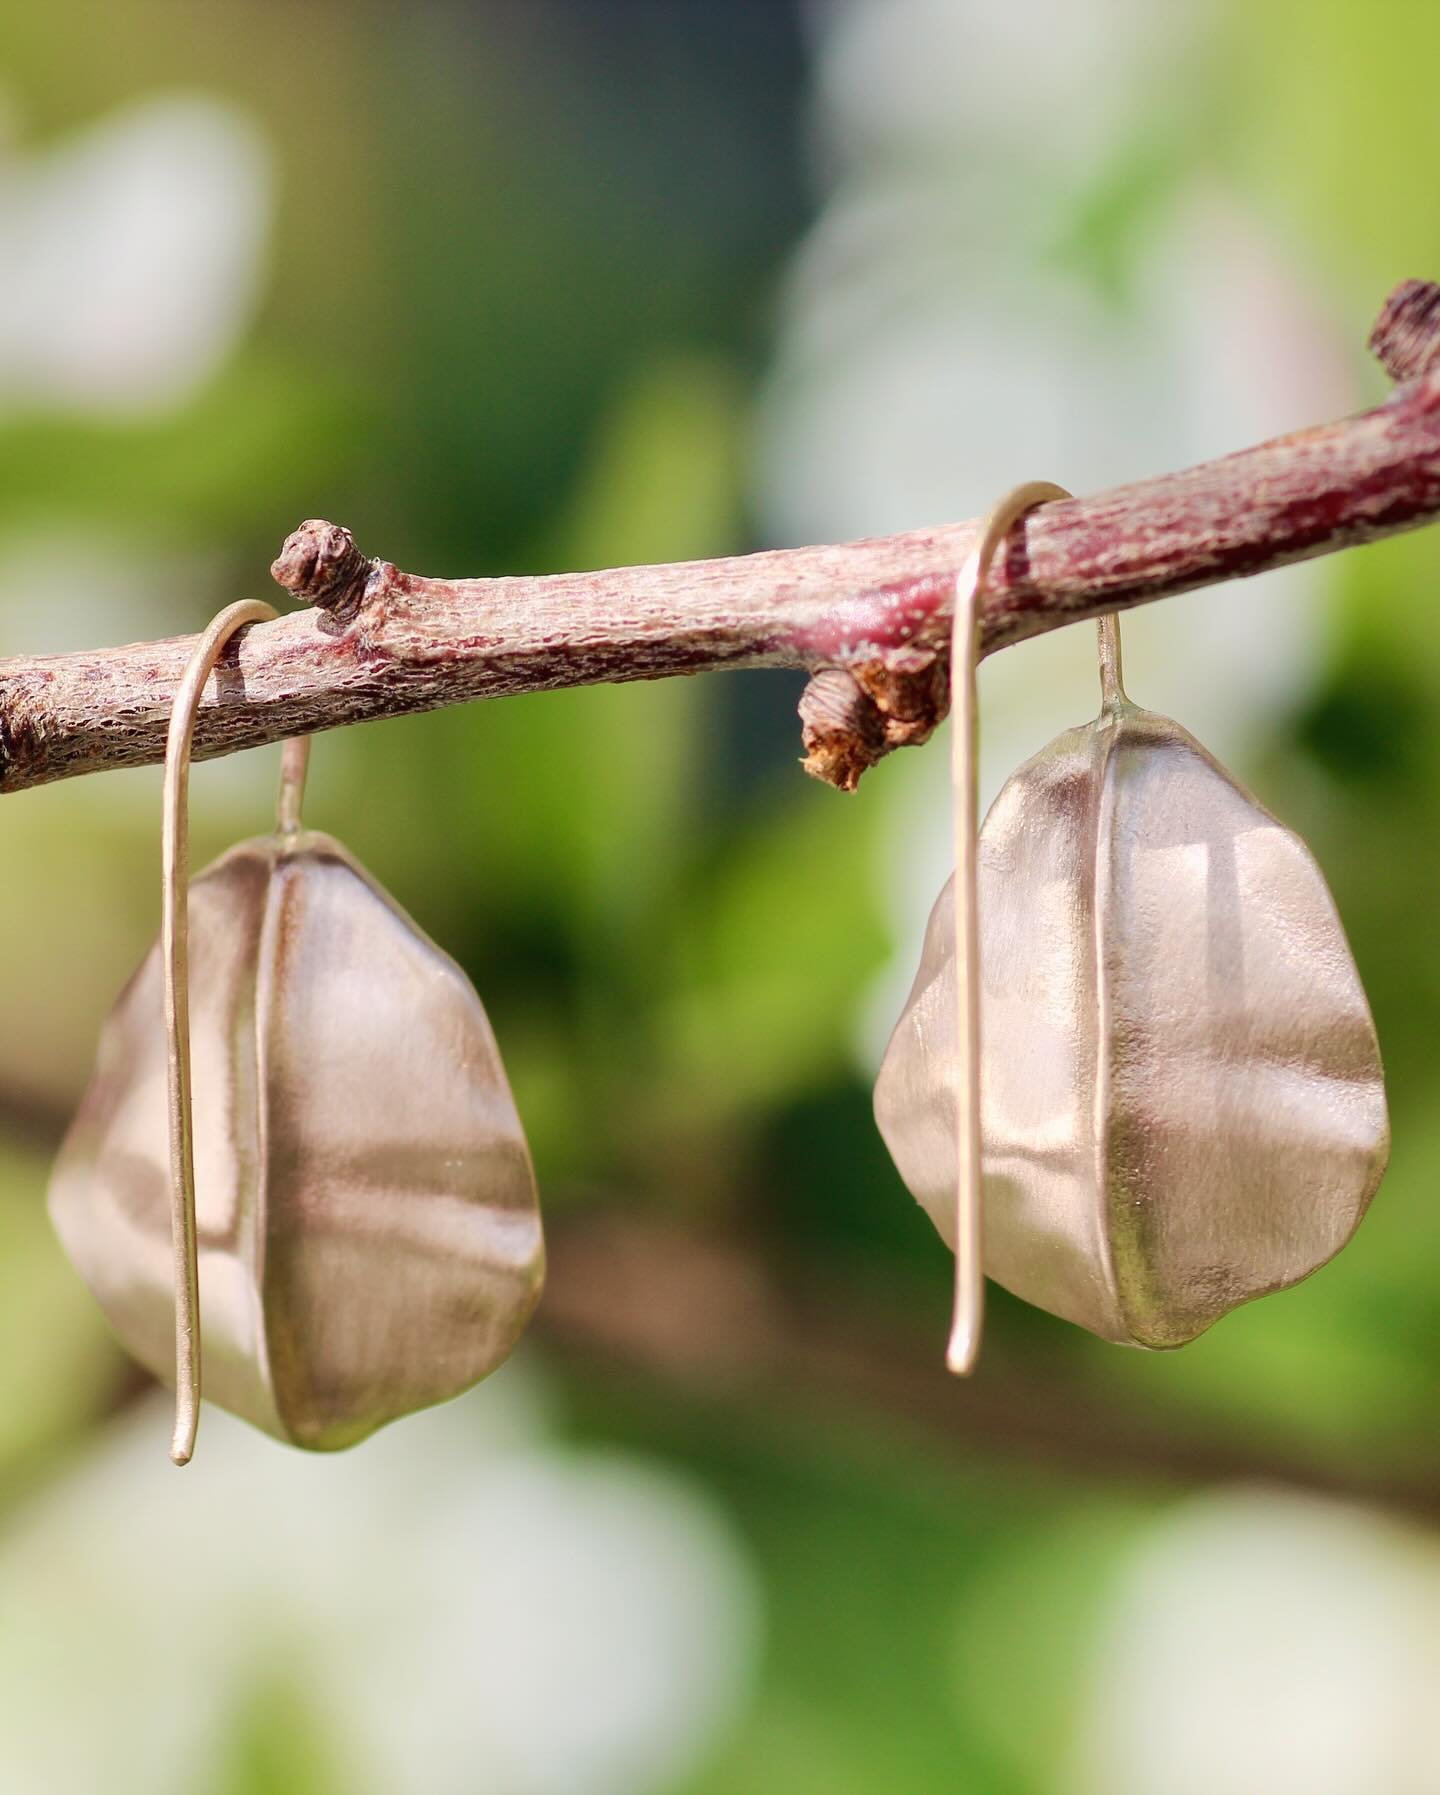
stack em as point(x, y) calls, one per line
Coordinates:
point(523, 273)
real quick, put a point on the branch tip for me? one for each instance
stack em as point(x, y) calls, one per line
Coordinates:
point(320, 565)
point(1406, 337)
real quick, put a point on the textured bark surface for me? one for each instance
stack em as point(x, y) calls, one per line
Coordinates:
point(1406, 337)
point(381, 642)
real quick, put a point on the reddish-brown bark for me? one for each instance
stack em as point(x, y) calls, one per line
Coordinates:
point(1406, 337)
point(382, 642)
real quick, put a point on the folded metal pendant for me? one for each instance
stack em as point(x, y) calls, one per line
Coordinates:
point(369, 1235)
point(318, 1122)
point(1181, 1097)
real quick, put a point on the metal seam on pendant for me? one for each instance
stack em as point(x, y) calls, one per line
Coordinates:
point(1102, 881)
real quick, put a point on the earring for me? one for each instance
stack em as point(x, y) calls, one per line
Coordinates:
point(1182, 1105)
point(366, 1217)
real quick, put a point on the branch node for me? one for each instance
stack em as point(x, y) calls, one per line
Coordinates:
point(1406, 337)
point(320, 565)
point(851, 717)
point(841, 727)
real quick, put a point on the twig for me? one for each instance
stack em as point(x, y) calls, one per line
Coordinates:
point(382, 642)
point(716, 1321)
point(1406, 337)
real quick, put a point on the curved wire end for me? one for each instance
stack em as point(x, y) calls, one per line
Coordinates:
point(963, 1352)
point(187, 1370)
point(182, 1445)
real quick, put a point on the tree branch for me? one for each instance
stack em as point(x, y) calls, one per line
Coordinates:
point(717, 1320)
point(381, 642)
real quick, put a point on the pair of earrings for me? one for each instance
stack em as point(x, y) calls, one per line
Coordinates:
point(1139, 1032)
point(365, 1214)
point(1181, 1107)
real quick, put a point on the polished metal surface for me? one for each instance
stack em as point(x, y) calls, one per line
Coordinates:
point(174, 955)
point(1182, 1103)
point(967, 1318)
point(369, 1235)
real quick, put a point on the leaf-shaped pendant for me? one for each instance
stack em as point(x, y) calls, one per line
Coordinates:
point(368, 1226)
point(1182, 1104)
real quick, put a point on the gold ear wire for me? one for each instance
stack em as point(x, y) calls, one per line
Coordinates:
point(294, 765)
point(175, 939)
point(964, 1347)
point(1112, 684)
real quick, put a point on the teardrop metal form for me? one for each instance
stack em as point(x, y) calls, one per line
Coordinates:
point(1182, 1103)
point(354, 1175)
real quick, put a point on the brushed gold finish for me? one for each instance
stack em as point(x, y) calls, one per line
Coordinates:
point(175, 951)
point(969, 1311)
point(1182, 1105)
point(365, 1224)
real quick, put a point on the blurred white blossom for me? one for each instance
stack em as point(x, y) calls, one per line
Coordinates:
point(132, 254)
point(1045, 86)
point(1268, 1642)
point(462, 1603)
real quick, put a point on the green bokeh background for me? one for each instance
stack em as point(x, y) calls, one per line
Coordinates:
point(523, 289)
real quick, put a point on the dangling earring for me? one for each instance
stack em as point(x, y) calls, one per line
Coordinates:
point(1183, 1103)
point(367, 1215)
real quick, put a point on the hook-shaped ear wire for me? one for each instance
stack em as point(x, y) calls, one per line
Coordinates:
point(175, 954)
point(964, 1347)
